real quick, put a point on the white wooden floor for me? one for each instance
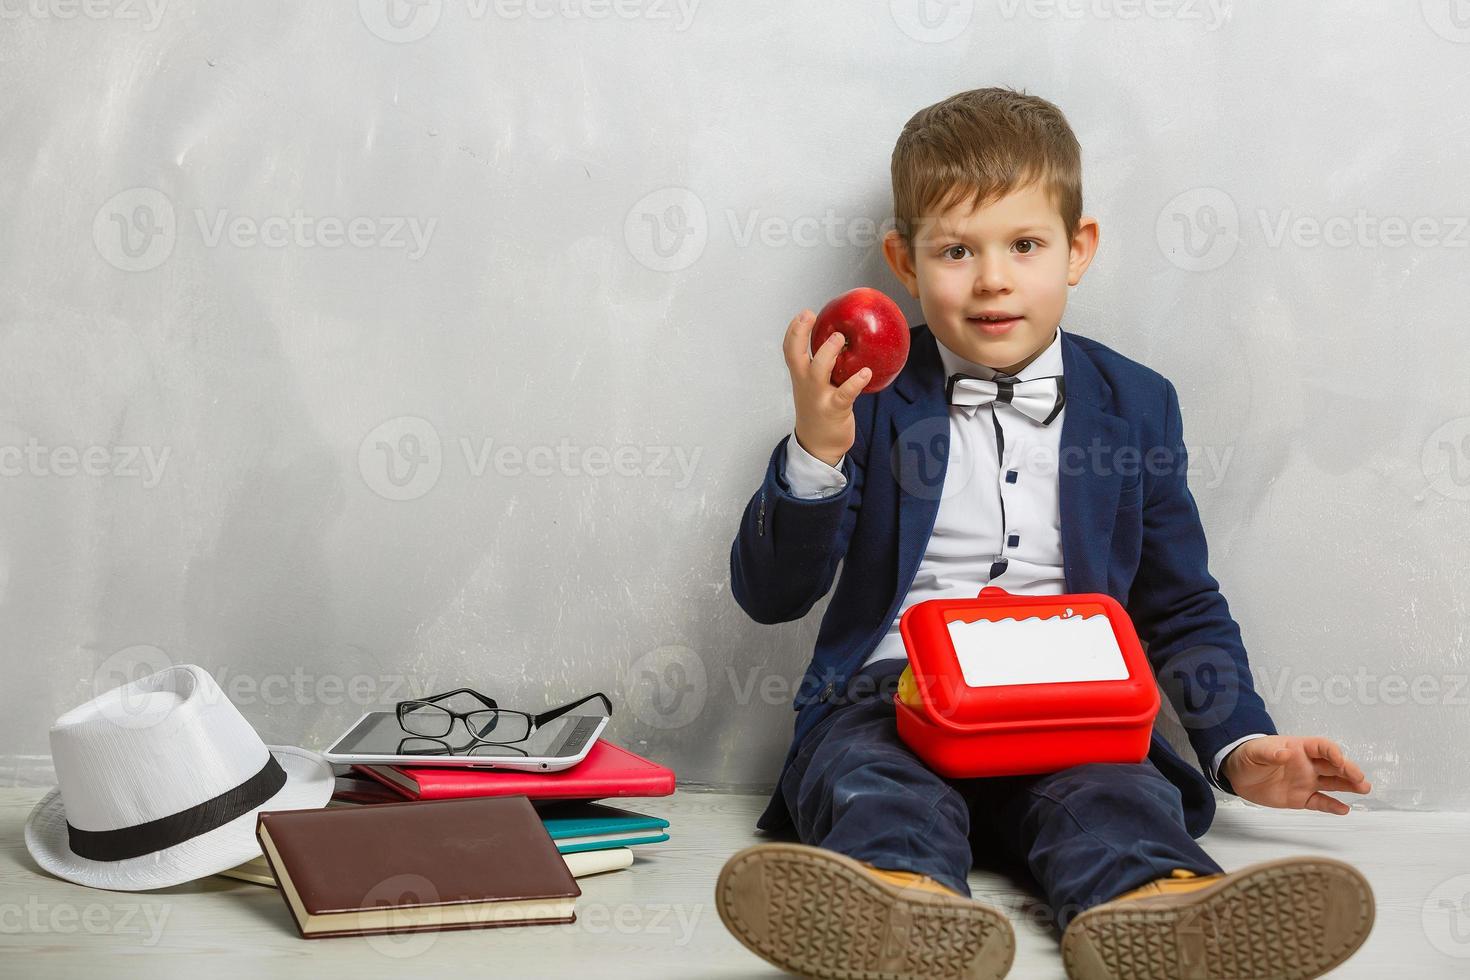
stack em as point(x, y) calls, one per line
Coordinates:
point(657, 918)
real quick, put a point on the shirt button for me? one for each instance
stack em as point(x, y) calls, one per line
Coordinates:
point(1010, 476)
point(1013, 540)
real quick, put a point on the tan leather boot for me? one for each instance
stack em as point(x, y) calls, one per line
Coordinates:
point(1288, 919)
point(818, 913)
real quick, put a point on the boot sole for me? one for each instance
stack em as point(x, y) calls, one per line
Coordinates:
point(1288, 919)
point(817, 913)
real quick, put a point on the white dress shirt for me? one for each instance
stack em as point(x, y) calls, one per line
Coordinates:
point(999, 520)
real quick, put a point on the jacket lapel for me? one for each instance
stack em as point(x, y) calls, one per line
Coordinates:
point(1088, 478)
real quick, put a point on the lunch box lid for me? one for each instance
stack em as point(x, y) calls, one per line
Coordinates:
point(1015, 693)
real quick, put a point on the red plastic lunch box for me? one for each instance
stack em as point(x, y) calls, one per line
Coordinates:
point(1006, 685)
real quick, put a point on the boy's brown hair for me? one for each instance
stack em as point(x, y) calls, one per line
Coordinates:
point(986, 143)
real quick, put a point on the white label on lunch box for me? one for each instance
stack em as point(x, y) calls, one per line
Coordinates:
point(1055, 650)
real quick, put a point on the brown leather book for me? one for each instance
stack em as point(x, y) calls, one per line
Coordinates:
point(417, 866)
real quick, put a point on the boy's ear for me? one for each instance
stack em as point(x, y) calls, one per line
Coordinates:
point(901, 261)
point(1084, 247)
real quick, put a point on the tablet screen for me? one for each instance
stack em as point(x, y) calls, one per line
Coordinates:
point(379, 734)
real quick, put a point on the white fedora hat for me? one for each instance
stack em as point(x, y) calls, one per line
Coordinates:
point(159, 783)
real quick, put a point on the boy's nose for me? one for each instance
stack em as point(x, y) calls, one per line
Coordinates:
point(992, 275)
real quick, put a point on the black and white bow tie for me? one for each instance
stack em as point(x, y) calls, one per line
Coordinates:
point(1040, 399)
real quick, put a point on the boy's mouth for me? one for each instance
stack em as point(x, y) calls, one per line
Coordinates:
point(994, 324)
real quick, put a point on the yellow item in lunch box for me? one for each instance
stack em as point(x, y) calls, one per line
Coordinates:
point(908, 688)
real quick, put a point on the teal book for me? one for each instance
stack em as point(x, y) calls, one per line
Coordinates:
point(584, 826)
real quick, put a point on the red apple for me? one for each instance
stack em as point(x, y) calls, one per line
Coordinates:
point(876, 332)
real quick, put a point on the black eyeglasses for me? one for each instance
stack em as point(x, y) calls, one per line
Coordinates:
point(489, 724)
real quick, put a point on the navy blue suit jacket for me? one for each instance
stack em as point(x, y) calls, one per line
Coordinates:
point(1129, 527)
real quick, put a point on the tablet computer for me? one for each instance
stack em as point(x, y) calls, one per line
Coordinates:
point(377, 739)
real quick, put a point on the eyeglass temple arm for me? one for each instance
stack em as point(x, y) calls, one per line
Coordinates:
point(550, 714)
point(488, 702)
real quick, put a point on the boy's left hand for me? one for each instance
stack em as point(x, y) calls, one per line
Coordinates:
point(1293, 771)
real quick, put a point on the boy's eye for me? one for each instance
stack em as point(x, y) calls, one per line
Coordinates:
point(1031, 243)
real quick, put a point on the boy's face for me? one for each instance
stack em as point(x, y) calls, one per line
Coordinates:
point(1011, 256)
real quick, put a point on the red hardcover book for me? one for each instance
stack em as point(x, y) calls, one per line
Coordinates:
point(607, 771)
point(357, 788)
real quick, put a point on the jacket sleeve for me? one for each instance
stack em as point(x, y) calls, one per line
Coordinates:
point(1194, 644)
point(808, 477)
point(785, 554)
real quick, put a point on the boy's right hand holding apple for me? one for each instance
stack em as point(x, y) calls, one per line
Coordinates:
point(824, 422)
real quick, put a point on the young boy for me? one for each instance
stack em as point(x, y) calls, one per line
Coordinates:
point(1013, 453)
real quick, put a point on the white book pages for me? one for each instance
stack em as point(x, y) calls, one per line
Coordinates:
point(1055, 650)
point(582, 863)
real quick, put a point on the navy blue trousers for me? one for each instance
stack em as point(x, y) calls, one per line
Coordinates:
point(1085, 834)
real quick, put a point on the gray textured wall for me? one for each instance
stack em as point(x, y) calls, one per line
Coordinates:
point(283, 281)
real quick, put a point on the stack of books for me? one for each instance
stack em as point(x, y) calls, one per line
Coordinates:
point(608, 771)
point(501, 847)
